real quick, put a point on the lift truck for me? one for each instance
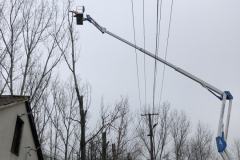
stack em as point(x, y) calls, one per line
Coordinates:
point(222, 135)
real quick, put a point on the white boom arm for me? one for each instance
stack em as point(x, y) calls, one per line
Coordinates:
point(221, 139)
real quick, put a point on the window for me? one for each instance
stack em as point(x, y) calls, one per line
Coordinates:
point(17, 136)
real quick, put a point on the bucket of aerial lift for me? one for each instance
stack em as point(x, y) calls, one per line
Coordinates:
point(79, 18)
point(79, 14)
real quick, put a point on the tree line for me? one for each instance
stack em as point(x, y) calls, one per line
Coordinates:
point(35, 38)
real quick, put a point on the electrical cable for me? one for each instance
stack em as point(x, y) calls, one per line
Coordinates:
point(136, 54)
point(158, 24)
point(169, 27)
point(157, 46)
point(154, 80)
point(144, 54)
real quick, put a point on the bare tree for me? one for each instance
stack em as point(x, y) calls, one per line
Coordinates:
point(236, 149)
point(162, 132)
point(70, 52)
point(65, 119)
point(200, 145)
point(123, 134)
point(180, 128)
point(29, 49)
point(54, 140)
point(43, 117)
point(29, 53)
point(10, 31)
point(116, 121)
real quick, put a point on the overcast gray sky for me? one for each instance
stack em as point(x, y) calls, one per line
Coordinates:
point(204, 40)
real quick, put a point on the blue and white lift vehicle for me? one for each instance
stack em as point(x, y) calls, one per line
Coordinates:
point(222, 135)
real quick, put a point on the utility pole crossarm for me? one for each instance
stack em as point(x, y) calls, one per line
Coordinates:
point(150, 114)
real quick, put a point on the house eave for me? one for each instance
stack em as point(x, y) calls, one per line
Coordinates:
point(12, 104)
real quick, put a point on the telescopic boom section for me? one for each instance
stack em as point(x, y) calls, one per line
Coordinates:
point(221, 139)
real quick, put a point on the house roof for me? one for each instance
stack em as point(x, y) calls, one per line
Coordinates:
point(7, 100)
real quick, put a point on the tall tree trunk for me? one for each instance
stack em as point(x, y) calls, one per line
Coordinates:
point(82, 145)
point(104, 146)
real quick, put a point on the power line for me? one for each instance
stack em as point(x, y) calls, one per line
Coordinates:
point(159, 25)
point(144, 54)
point(155, 65)
point(136, 54)
point(157, 46)
point(169, 27)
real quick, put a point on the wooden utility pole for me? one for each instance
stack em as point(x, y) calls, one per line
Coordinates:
point(151, 133)
point(104, 146)
point(114, 152)
point(129, 156)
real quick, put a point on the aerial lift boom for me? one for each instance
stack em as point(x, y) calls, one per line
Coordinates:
point(222, 135)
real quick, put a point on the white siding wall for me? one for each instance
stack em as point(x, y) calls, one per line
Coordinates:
point(8, 117)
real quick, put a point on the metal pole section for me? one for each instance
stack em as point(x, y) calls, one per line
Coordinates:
point(220, 123)
point(228, 154)
point(228, 119)
point(151, 134)
point(224, 157)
